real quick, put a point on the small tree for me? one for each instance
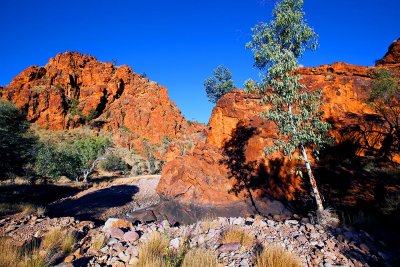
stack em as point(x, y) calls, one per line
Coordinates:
point(220, 84)
point(91, 151)
point(294, 109)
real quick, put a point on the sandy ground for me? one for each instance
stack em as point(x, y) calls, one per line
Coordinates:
point(123, 195)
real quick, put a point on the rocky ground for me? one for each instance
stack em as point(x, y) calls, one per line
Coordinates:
point(120, 239)
point(313, 245)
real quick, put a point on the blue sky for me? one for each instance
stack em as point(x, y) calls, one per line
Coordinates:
point(179, 43)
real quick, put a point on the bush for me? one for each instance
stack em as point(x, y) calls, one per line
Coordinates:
point(72, 159)
point(114, 163)
point(275, 256)
point(52, 162)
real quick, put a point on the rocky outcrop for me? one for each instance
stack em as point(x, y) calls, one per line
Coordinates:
point(231, 165)
point(392, 57)
point(74, 89)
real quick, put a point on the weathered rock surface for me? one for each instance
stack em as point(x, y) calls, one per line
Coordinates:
point(215, 172)
point(75, 89)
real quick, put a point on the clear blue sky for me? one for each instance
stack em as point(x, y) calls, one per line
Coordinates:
point(179, 43)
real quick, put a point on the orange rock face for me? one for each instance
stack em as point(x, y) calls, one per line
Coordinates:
point(392, 57)
point(214, 173)
point(75, 89)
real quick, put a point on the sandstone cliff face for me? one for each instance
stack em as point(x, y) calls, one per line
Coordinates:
point(75, 89)
point(211, 174)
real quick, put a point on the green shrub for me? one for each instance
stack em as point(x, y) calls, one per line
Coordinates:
point(72, 159)
point(114, 163)
point(16, 142)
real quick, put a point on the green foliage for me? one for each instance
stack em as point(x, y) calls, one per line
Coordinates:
point(385, 99)
point(385, 87)
point(89, 149)
point(114, 163)
point(16, 142)
point(52, 161)
point(295, 110)
point(251, 87)
point(73, 107)
point(218, 85)
point(69, 159)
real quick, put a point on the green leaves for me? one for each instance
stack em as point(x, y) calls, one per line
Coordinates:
point(220, 84)
point(277, 46)
point(16, 141)
point(70, 159)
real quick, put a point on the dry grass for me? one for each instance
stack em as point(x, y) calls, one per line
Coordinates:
point(9, 253)
point(236, 234)
point(98, 242)
point(53, 239)
point(34, 259)
point(13, 256)
point(209, 222)
point(275, 256)
point(200, 257)
point(152, 251)
point(68, 242)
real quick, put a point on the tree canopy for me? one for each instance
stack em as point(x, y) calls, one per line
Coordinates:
point(219, 84)
point(277, 46)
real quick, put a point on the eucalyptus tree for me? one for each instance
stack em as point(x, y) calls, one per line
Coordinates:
point(295, 110)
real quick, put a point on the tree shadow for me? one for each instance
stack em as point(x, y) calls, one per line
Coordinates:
point(370, 135)
point(92, 205)
point(239, 169)
point(260, 179)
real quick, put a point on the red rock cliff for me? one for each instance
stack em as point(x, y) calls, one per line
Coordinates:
point(207, 177)
point(74, 89)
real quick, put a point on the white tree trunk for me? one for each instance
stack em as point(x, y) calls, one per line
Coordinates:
point(87, 172)
point(315, 191)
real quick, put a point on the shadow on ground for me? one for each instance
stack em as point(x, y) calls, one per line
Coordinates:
point(18, 196)
point(92, 205)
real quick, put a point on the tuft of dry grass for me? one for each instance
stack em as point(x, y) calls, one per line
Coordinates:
point(152, 251)
point(68, 242)
point(200, 257)
point(275, 256)
point(328, 218)
point(52, 239)
point(98, 242)
point(34, 259)
point(209, 222)
point(236, 234)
